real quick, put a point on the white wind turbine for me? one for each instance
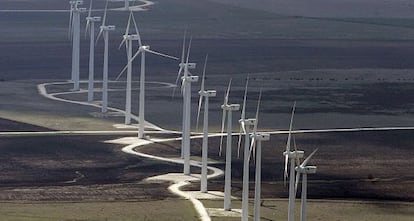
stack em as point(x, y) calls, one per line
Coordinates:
point(204, 94)
point(227, 110)
point(90, 26)
point(141, 50)
point(186, 81)
point(292, 156)
point(245, 125)
point(74, 35)
point(128, 39)
point(304, 169)
point(256, 147)
point(104, 29)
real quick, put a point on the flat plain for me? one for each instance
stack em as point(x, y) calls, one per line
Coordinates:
point(343, 73)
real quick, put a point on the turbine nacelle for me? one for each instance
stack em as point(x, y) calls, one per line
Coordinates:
point(306, 169)
point(134, 37)
point(230, 107)
point(188, 65)
point(108, 28)
point(261, 137)
point(294, 154)
point(190, 78)
point(209, 93)
point(248, 122)
point(78, 2)
point(144, 47)
point(80, 10)
point(93, 19)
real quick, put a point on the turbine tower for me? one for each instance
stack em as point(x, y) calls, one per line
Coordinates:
point(74, 35)
point(245, 125)
point(304, 170)
point(227, 110)
point(186, 81)
point(141, 50)
point(105, 29)
point(291, 156)
point(128, 40)
point(256, 147)
point(90, 26)
point(257, 190)
point(204, 94)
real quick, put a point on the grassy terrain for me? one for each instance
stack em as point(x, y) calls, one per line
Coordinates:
point(351, 165)
point(90, 211)
point(327, 210)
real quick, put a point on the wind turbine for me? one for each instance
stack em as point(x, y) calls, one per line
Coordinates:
point(245, 125)
point(74, 35)
point(227, 110)
point(186, 81)
point(304, 170)
point(105, 29)
point(90, 26)
point(128, 39)
point(204, 94)
point(292, 156)
point(141, 50)
point(256, 146)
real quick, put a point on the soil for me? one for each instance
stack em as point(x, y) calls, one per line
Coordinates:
point(350, 165)
point(76, 168)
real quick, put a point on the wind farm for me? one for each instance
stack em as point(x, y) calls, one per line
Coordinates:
point(84, 125)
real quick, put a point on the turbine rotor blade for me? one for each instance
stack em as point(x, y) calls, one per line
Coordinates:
point(288, 143)
point(99, 36)
point(226, 98)
point(126, 66)
point(122, 42)
point(87, 28)
point(286, 175)
point(90, 8)
point(183, 50)
point(136, 29)
point(290, 127)
point(128, 24)
point(252, 146)
point(189, 49)
point(204, 74)
point(305, 162)
point(176, 81)
point(239, 142)
point(104, 16)
point(182, 63)
point(70, 22)
point(296, 150)
point(200, 103)
point(243, 113)
point(88, 21)
point(242, 131)
point(297, 181)
point(222, 131)
point(183, 81)
point(161, 54)
point(256, 122)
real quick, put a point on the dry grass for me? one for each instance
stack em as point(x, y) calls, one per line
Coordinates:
point(329, 210)
point(88, 211)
